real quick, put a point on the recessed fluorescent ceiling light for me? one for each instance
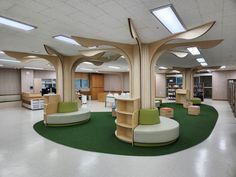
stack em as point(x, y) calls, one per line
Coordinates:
point(167, 15)
point(204, 64)
point(31, 56)
point(89, 63)
point(15, 24)
point(1, 52)
point(201, 60)
point(114, 67)
point(86, 69)
point(163, 67)
point(28, 67)
point(193, 50)
point(66, 39)
point(35, 51)
point(15, 61)
point(93, 47)
point(223, 67)
point(175, 71)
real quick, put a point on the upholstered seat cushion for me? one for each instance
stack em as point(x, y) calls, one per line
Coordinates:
point(149, 116)
point(66, 107)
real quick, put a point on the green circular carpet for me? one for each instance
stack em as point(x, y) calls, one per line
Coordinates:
point(98, 134)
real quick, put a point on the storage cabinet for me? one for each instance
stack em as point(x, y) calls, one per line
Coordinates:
point(96, 85)
point(32, 101)
point(126, 118)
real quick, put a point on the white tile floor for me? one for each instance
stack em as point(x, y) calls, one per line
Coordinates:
point(24, 153)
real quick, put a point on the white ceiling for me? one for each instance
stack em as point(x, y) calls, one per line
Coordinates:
point(107, 20)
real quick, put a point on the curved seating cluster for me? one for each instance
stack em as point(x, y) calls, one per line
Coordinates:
point(165, 132)
point(68, 118)
point(154, 130)
point(64, 113)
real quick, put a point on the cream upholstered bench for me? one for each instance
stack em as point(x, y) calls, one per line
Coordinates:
point(68, 118)
point(167, 131)
point(65, 113)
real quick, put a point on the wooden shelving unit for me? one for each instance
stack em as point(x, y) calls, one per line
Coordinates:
point(171, 91)
point(181, 96)
point(198, 91)
point(126, 118)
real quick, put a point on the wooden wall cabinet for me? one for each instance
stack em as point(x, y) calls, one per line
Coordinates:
point(96, 85)
point(126, 118)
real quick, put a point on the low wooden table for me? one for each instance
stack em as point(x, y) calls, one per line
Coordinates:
point(194, 110)
point(167, 112)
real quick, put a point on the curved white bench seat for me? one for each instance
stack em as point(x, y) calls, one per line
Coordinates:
point(68, 118)
point(165, 132)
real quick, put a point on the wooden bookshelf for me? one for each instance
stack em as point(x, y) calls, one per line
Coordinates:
point(126, 118)
point(181, 96)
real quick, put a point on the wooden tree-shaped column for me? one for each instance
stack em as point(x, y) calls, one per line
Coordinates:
point(143, 57)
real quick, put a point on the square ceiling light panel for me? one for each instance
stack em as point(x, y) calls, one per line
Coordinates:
point(193, 50)
point(201, 60)
point(204, 64)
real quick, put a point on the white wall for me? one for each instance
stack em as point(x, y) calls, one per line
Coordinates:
point(116, 82)
point(27, 80)
point(10, 81)
point(160, 85)
point(219, 84)
point(33, 78)
point(125, 82)
point(44, 74)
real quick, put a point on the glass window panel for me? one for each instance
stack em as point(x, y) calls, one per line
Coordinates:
point(85, 84)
